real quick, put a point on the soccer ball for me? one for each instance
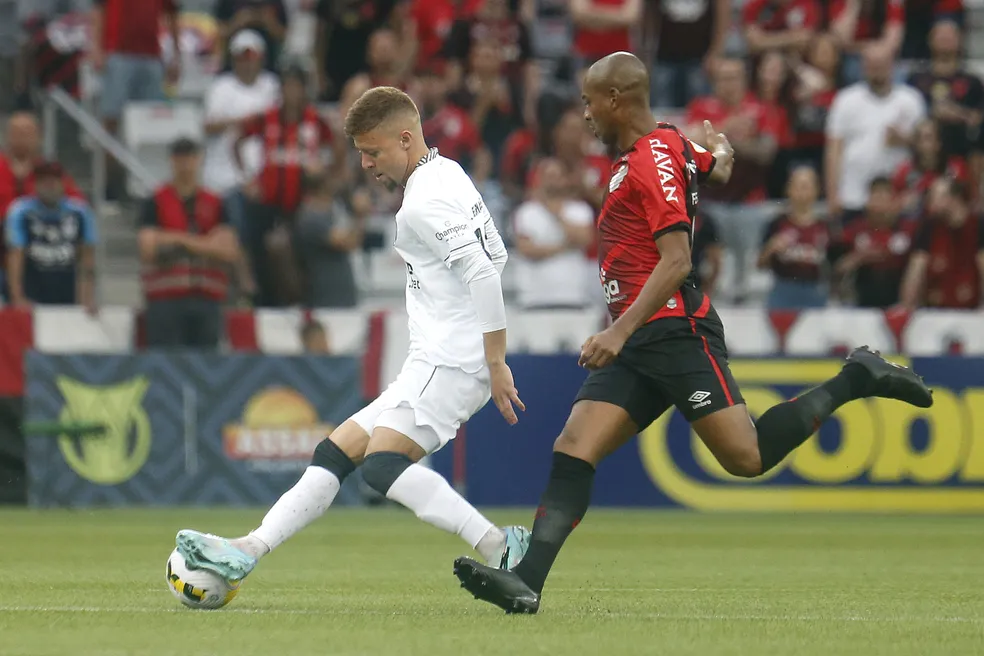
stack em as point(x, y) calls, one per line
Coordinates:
point(198, 588)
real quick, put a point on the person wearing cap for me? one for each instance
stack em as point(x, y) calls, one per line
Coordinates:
point(232, 98)
point(295, 138)
point(268, 18)
point(186, 247)
point(50, 239)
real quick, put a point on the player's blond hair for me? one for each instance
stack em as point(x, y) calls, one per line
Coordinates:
point(375, 107)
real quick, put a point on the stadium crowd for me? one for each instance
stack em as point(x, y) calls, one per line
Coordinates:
point(856, 127)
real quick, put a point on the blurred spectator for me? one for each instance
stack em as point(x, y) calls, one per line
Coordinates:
point(482, 174)
point(494, 34)
point(386, 66)
point(954, 96)
point(56, 36)
point(707, 255)
point(588, 172)
point(813, 89)
point(126, 49)
point(947, 259)
point(794, 247)
point(602, 27)
point(780, 24)
point(859, 24)
point(434, 19)
point(755, 132)
point(17, 162)
point(920, 17)
point(186, 246)
point(873, 251)
point(314, 338)
point(526, 143)
point(772, 89)
point(446, 127)
point(266, 17)
point(914, 176)
point(551, 231)
point(690, 37)
point(342, 34)
point(232, 98)
point(488, 96)
point(868, 131)
point(51, 240)
point(294, 139)
point(325, 237)
point(552, 39)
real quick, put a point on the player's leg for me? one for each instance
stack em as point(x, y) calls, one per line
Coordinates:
point(610, 407)
point(335, 458)
point(746, 448)
point(403, 435)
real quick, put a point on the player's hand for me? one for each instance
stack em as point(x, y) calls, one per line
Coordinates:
point(601, 349)
point(716, 140)
point(504, 393)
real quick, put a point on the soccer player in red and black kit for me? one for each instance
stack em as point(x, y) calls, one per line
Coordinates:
point(666, 346)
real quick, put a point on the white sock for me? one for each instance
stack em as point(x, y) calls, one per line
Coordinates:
point(299, 506)
point(433, 500)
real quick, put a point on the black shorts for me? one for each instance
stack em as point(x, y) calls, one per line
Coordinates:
point(676, 361)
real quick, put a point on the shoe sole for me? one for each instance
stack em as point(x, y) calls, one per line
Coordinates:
point(201, 556)
point(476, 582)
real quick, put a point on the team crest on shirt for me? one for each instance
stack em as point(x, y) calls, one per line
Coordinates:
point(617, 177)
point(308, 133)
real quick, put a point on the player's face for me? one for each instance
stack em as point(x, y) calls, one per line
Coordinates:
point(49, 189)
point(384, 155)
point(598, 113)
point(186, 166)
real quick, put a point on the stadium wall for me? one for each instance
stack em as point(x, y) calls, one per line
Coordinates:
point(876, 456)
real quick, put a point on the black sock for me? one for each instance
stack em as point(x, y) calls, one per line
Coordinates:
point(784, 427)
point(562, 506)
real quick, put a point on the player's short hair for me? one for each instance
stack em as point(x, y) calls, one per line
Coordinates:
point(375, 107)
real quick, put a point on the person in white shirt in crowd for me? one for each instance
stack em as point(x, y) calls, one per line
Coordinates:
point(244, 92)
point(868, 131)
point(456, 362)
point(551, 231)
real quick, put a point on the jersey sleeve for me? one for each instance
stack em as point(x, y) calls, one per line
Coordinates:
point(15, 233)
point(660, 189)
point(703, 159)
point(446, 229)
point(750, 12)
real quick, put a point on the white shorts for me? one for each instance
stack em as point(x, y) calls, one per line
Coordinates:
point(427, 403)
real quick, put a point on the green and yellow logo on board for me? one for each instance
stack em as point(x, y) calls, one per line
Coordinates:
point(117, 455)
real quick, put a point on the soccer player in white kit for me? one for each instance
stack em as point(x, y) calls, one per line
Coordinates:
point(457, 357)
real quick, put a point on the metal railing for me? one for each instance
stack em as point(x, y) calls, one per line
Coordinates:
point(105, 143)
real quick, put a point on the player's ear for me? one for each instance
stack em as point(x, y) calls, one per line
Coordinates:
point(405, 139)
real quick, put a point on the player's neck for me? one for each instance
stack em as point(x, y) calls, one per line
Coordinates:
point(638, 126)
point(416, 153)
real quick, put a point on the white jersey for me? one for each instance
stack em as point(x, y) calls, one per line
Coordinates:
point(443, 218)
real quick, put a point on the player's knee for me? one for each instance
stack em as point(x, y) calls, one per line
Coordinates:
point(576, 445)
point(330, 456)
point(744, 462)
point(381, 469)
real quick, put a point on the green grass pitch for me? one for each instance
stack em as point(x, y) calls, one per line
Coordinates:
point(380, 582)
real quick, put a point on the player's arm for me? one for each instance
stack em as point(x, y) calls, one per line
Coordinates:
point(87, 260)
point(220, 244)
point(15, 233)
point(665, 280)
point(465, 252)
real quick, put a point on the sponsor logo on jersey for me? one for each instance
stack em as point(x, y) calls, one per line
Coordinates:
point(664, 168)
point(452, 232)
